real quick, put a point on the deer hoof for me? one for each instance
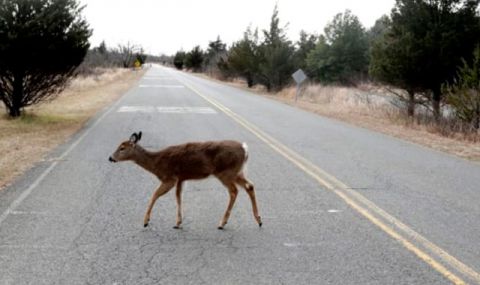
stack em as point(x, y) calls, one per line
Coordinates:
point(220, 227)
point(260, 224)
point(176, 227)
point(145, 225)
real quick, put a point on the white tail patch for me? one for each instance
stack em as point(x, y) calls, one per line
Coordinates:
point(245, 147)
point(244, 166)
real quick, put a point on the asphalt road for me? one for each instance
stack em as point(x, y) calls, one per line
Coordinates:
point(340, 204)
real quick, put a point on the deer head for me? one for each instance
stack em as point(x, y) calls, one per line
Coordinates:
point(126, 149)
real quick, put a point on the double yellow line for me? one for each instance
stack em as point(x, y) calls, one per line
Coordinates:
point(430, 253)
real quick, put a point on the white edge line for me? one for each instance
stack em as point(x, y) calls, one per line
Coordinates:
point(47, 171)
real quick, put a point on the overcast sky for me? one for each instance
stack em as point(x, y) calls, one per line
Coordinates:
point(165, 26)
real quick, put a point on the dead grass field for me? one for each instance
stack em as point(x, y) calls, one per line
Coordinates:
point(369, 108)
point(373, 111)
point(26, 140)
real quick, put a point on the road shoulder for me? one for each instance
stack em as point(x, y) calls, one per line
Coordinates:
point(44, 127)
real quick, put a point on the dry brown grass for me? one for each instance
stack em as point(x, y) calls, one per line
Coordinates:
point(26, 140)
point(369, 107)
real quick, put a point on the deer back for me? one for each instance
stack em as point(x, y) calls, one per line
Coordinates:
point(200, 159)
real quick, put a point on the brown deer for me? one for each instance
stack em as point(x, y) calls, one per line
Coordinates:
point(197, 160)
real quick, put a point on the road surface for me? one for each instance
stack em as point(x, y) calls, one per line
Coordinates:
point(340, 204)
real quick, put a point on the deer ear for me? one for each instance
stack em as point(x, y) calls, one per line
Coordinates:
point(139, 136)
point(133, 138)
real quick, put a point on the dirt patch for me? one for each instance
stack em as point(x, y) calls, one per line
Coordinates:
point(28, 139)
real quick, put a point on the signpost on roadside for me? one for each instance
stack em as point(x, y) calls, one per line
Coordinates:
point(137, 64)
point(299, 76)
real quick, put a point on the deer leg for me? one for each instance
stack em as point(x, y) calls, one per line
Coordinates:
point(178, 195)
point(164, 188)
point(248, 186)
point(232, 191)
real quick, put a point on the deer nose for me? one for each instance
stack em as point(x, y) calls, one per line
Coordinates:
point(111, 159)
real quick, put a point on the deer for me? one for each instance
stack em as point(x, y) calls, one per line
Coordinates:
point(175, 164)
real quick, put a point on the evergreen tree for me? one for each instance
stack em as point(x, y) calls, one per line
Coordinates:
point(342, 54)
point(42, 42)
point(194, 59)
point(379, 29)
point(305, 45)
point(215, 55)
point(179, 59)
point(276, 56)
point(464, 94)
point(216, 47)
point(393, 62)
point(434, 36)
point(243, 57)
point(102, 48)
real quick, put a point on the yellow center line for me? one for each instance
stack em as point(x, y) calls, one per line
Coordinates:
point(349, 196)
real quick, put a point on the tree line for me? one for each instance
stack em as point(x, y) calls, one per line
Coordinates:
point(426, 51)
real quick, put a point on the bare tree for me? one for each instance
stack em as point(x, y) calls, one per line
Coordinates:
point(128, 53)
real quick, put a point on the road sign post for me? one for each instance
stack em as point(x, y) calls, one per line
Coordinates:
point(299, 76)
point(137, 64)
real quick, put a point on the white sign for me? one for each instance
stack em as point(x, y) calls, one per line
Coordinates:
point(299, 76)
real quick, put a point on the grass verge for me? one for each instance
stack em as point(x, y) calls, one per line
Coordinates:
point(26, 140)
point(373, 114)
point(370, 108)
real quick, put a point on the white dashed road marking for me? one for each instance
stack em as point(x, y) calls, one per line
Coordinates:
point(160, 86)
point(168, 110)
point(34, 213)
point(141, 109)
point(333, 211)
point(196, 110)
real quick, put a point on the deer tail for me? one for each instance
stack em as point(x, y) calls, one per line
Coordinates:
point(245, 149)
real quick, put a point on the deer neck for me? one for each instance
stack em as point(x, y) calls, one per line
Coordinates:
point(145, 159)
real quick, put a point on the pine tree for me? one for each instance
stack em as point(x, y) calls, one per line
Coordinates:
point(194, 59)
point(215, 55)
point(426, 42)
point(276, 56)
point(42, 42)
point(464, 94)
point(305, 45)
point(342, 54)
point(243, 57)
point(179, 59)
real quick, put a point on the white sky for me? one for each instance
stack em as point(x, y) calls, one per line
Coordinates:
point(165, 26)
